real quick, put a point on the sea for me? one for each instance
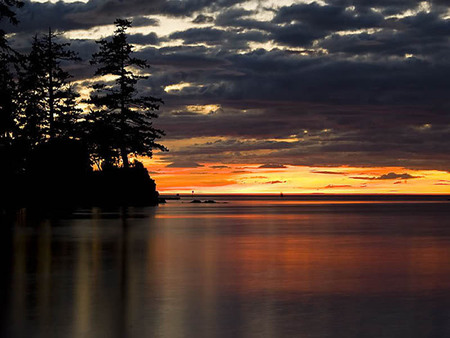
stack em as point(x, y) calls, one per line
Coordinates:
point(246, 266)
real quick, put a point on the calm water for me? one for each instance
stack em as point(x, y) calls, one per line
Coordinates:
point(246, 268)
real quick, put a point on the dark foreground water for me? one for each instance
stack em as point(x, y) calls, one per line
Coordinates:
point(246, 268)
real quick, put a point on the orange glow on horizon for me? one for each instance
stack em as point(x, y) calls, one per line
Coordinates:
point(215, 178)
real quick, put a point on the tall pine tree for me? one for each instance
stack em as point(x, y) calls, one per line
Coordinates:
point(7, 98)
point(48, 101)
point(126, 117)
point(7, 84)
point(7, 12)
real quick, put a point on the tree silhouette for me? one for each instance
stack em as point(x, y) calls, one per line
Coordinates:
point(118, 105)
point(47, 99)
point(32, 115)
point(7, 12)
point(101, 135)
point(44, 136)
point(7, 99)
point(7, 84)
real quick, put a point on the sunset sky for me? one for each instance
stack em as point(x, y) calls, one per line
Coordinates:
point(333, 96)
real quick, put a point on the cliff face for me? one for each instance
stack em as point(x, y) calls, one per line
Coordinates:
point(58, 174)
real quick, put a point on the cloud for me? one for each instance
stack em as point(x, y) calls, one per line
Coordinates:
point(304, 23)
point(394, 176)
point(37, 16)
point(144, 39)
point(200, 19)
point(389, 176)
point(275, 182)
point(224, 38)
point(442, 182)
point(325, 172)
point(184, 164)
point(273, 166)
point(333, 186)
point(329, 17)
point(357, 82)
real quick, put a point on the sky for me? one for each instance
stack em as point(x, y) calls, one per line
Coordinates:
point(329, 96)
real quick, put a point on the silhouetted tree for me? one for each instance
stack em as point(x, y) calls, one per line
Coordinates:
point(32, 115)
point(101, 135)
point(7, 12)
point(48, 101)
point(7, 83)
point(7, 99)
point(118, 104)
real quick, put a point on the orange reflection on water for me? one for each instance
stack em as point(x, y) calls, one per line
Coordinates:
point(187, 271)
point(330, 265)
point(314, 264)
point(235, 216)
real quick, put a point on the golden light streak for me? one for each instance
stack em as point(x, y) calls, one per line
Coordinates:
point(177, 87)
point(203, 109)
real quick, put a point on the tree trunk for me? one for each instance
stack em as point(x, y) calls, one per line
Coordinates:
point(50, 87)
point(123, 150)
point(124, 154)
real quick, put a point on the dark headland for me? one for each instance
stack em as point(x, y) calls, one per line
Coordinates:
point(59, 175)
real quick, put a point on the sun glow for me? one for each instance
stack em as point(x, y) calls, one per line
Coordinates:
point(257, 178)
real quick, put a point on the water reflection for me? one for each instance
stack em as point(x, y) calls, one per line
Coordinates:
point(231, 270)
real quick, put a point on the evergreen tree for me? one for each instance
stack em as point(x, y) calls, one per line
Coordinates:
point(7, 99)
point(101, 136)
point(32, 114)
point(7, 84)
point(128, 115)
point(48, 101)
point(7, 12)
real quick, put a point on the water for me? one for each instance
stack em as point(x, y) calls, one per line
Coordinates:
point(251, 267)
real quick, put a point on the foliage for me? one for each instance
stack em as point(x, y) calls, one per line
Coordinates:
point(39, 106)
point(7, 99)
point(7, 84)
point(7, 12)
point(123, 115)
point(47, 99)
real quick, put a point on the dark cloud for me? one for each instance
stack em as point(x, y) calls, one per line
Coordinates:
point(424, 35)
point(394, 176)
point(241, 18)
point(219, 37)
point(387, 7)
point(36, 16)
point(184, 164)
point(328, 17)
point(332, 186)
point(203, 19)
point(348, 84)
point(147, 39)
point(326, 172)
point(389, 176)
point(273, 165)
point(145, 21)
